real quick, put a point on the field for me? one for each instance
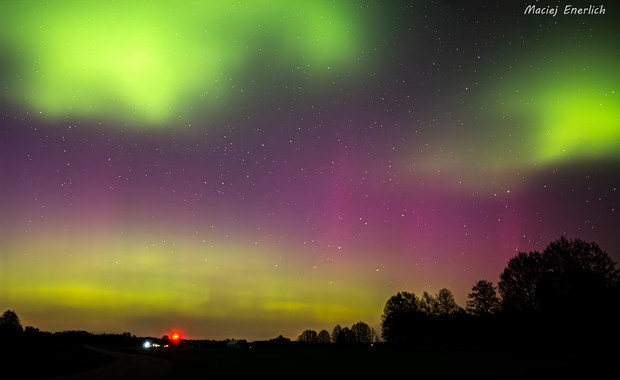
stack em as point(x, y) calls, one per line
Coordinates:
point(378, 362)
point(325, 361)
point(38, 361)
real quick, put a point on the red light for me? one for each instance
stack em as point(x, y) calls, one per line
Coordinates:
point(175, 336)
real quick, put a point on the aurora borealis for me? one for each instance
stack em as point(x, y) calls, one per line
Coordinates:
point(250, 169)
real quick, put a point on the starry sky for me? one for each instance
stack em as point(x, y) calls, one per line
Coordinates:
point(255, 168)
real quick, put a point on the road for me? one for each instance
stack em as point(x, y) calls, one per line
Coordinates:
point(125, 366)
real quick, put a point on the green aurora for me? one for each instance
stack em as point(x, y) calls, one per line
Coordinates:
point(158, 63)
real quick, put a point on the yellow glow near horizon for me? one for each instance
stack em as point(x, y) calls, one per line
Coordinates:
point(126, 278)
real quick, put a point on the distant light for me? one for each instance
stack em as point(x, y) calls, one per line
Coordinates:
point(147, 344)
point(175, 336)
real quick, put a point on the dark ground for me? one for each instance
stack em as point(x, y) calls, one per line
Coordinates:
point(329, 361)
point(381, 362)
point(40, 361)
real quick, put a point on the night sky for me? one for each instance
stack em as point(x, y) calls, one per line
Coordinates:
point(250, 169)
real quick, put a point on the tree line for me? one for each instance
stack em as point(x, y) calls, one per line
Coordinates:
point(358, 333)
point(567, 292)
point(12, 332)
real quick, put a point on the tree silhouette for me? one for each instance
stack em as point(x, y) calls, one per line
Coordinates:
point(445, 303)
point(342, 335)
point(336, 333)
point(346, 336)
point(398, 317)
point(519, 280)
point(308, 336)
point(566, 274)
point(31, 331)
point(361, 333)
point(10, 326)
point(483, 299)
point(323, 337)
point(427, 304)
